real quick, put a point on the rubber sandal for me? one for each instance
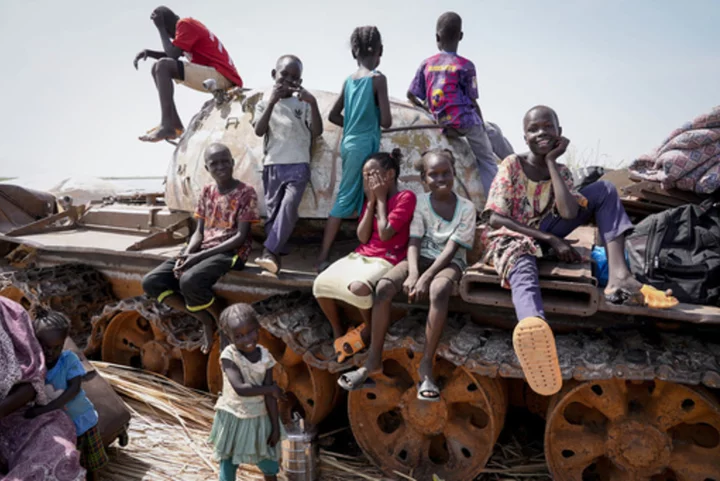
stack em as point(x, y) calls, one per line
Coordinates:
point(657, 299)
point(647, 296)
point(268, 264)
point(428, 386)
point(534, 345)
point(353, 340)
point(357, 379)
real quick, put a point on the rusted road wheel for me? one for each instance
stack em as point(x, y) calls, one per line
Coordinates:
point(310, 391)
point(452, 438)
point(139, 332)
point(633, 431)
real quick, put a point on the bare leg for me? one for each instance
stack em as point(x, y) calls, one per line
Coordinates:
point(164, 71)
point(619, 274)
point(270, 477)
point(384, 293)
point(330, 309)
point(331, 229)
point(440, 290)
point(177, 302)
point(360, 289)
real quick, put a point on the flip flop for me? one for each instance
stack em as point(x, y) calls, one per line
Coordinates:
point(357, 379)
point(150, 135)
point(428, 391)
point(353, 340)
point(534, 345)
point(646, 296)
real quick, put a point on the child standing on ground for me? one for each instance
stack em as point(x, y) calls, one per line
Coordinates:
point(63, 386)
point(383, 231)
point(533, 204)
point(246, 428)
point(442, 230)
point(221, 242)
point(366, 107)
point(446, 86)
point(288, 124)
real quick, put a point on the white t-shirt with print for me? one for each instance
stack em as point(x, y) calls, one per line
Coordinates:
point(289, 136)
point(435, 231)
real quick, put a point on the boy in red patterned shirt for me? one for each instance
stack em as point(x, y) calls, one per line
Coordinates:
point(221, 242)
point(207, 59)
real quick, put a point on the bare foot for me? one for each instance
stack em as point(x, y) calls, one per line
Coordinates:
point(628, 283)
point(161, 133)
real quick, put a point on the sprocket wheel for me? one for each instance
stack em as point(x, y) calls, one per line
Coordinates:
point(620, 430)
point(311, 391)
point(134, 333)
point(452, 438)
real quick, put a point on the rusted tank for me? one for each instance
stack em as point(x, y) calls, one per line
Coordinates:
point(640, 399)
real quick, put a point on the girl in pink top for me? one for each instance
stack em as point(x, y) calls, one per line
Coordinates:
point(384, 232)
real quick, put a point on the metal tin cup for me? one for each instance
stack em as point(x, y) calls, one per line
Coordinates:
point(300, 457)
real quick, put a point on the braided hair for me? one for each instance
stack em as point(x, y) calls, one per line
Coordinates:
point(49, 320)
point(366, 41)
point(237, 313)
point(388, 161)
point(445, 153)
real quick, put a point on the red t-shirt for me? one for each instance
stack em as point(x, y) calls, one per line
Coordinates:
point(400, 209)
point(204, 48)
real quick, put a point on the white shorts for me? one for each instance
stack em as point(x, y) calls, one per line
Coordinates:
point(334, 282)
point(196, 74)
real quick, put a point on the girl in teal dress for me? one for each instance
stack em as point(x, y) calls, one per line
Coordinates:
point(361, 109)
point(246, 428)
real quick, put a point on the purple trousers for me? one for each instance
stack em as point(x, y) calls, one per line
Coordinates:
point(284, 185)
point(612, 222)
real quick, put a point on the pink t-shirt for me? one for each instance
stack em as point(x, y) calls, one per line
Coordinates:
point(400, 209)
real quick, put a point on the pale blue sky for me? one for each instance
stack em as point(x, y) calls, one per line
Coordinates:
point(621, 74)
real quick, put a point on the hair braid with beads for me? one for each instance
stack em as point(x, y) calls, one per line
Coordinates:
point(365, 41)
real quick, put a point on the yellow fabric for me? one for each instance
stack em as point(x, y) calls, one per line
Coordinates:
point(200, 308)
point(165, 294)
point(334, 281)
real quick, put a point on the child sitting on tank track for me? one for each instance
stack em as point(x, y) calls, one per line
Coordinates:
point(221, 242)
point(533, 206)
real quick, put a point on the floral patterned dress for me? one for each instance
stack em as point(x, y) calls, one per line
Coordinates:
point(516, 196)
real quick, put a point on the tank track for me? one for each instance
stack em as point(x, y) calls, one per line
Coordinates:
point(633, 354)
point(182, 329)
point(76, 290)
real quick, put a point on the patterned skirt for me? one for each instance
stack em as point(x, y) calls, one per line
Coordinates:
point(92, 450)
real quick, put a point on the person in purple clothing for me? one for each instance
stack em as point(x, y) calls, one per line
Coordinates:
point(446, 86)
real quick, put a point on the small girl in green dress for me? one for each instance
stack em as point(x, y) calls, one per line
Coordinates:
point(246, 428)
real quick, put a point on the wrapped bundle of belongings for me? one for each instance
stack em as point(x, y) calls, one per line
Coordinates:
point(689, 159)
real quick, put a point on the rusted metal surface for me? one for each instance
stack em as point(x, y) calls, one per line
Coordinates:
point(142, 333)
point(618, 430)
point(65, 220)
point(452, 438)
point(20, 206)
point(230, 123)
point(78, 291)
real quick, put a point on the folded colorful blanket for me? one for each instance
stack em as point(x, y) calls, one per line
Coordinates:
point(689, 159)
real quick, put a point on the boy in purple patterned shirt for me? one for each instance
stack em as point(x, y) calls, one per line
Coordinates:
point(446, 86)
